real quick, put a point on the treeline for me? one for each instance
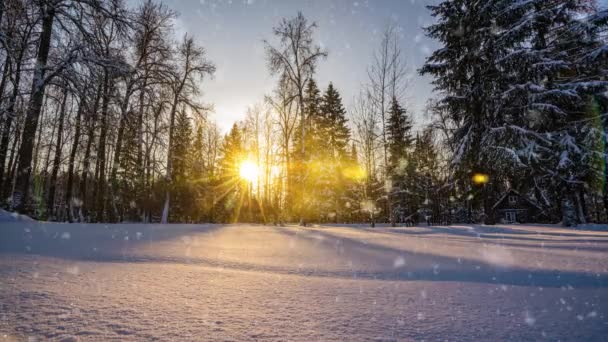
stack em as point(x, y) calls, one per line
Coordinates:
point(101, 123)
point(101, 120)
point(93, 96)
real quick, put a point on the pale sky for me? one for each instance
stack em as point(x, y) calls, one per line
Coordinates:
point(232, 32)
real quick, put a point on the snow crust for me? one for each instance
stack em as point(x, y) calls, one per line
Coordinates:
point(332, 283)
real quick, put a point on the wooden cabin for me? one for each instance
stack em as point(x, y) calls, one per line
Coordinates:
point(514, 207)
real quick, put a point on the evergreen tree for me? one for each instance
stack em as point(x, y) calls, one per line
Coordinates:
point(199, 181)
point(558, 76)
point(182, 192)
point(333, 124)
point(426, 182)
point(333, 148)
point(306, 160)
point(197, 154)
point(353, 176)
point(519, 79)
point(130, 188)
point(399, 142)
point(312, 123)
point(228, 207)
point(466, 75)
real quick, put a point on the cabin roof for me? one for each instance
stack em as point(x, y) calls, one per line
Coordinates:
point(513, 192)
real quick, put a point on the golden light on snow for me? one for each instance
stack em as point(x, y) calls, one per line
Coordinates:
point(249, 170)
point(480, 178)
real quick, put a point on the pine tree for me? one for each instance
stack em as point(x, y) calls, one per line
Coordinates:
point(182, 190)
point(198, 179)
point(129, 186)
point(520, 81)
point(466, 75)
point(333, 123)
point(353, 176)
point(399, 142)
point(333, 148)
point(555, 62)
point(312, 121)
point(228, 207)
point(306, 160)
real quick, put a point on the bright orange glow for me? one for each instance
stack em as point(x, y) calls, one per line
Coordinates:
point(356, 173)
point(249, 171)
point(481, 178)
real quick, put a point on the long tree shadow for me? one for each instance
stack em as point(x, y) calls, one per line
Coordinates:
point(415, 265)
point(89, 241)
point(592, 245)
point(118, 244)
point(540, 231)
point(501, 234)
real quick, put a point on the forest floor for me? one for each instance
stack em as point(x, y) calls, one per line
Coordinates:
point(84, 282)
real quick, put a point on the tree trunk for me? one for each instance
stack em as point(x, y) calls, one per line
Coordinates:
point(86, 162)
point(99, 193)
point(75, 143)
point(1, 10)
point(150, 167)
point(10, 168)
point(140, 150)
point(20, 194)
point(57, 158)
point(165, 215)
point(5, 73)
point(12, 163)
point(118, 149)
point(580, 211)
point(6, 130)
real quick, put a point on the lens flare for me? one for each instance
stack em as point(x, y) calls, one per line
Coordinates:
point(480, 178)
point(249, 171)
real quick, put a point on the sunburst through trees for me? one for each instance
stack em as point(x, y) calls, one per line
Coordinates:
point(102, 119)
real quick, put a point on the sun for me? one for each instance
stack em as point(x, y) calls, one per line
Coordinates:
point(249, 170)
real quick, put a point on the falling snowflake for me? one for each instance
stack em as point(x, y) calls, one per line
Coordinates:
point(529, 319)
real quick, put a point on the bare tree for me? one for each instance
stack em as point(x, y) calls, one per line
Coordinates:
point(284, 105)
point(151, 25)
point(387, 79)
point(17, 44)
point(193, 65)
point(295, 58)
point(70, 15)
point(368, 137)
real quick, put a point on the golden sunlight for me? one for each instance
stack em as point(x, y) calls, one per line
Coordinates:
point(481, 178)
point(249, 171)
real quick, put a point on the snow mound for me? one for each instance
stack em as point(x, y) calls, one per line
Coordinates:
point(7, 216)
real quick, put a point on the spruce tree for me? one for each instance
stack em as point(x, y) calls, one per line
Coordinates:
point(181, 187)
point(522, 83)
point(335, 136)
point(334, 127)
point(399, 141)
point(557, 62)
point(233, 151)
point(466, 76)
point(129, 183)
point(306, 160)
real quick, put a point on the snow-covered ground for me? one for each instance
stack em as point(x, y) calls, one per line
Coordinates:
point(239, 282)
point(6, 216)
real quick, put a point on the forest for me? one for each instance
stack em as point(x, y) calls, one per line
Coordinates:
point(103, 118)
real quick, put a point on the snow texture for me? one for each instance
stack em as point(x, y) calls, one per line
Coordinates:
point(85, 282)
